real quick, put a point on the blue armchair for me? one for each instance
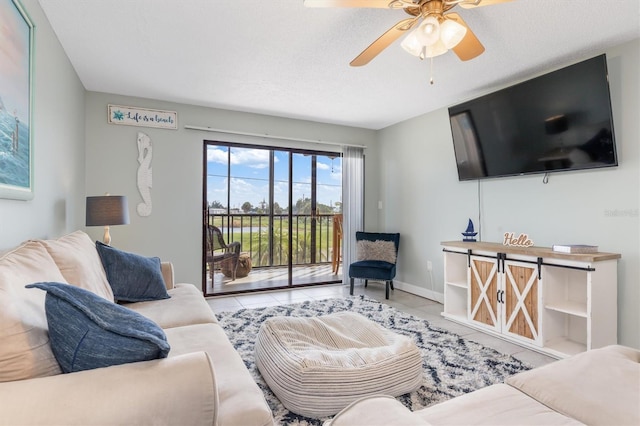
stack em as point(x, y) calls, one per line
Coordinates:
point(376, 254)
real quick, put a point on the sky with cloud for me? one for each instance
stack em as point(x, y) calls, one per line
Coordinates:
point(250, 176)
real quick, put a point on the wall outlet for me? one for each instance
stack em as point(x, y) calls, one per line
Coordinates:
point(429, 265)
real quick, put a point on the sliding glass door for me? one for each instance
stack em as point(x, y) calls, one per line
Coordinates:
point(279, 205)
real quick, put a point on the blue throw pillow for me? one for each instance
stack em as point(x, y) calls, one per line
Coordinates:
point(87, 331)
point(133, 278)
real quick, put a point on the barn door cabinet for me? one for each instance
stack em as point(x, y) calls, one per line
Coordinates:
point(504, 297)
point(559, 304)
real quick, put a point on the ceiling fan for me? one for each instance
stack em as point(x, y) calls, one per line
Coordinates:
point(439, 31)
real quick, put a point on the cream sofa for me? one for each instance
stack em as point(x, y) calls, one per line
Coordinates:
point(203, 381)
point(598, 387)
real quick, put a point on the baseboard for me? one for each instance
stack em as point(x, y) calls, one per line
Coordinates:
point(419, 291)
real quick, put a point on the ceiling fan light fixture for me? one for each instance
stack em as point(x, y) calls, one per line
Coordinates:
point(452, 33)
point(411, 44)
point(428, 32)
point(435, 49)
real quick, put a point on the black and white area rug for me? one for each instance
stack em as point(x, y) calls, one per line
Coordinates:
point(452, 365)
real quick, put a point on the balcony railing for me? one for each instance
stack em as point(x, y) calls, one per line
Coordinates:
point(266, 237)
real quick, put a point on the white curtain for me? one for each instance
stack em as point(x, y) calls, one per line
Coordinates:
point(352, 204)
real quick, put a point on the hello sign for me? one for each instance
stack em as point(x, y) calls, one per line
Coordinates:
point(521, 240)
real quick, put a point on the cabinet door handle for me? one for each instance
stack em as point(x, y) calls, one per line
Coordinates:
point(539, 268)
point(501, 258)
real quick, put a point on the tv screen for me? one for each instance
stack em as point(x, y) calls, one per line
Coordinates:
point(556, 122)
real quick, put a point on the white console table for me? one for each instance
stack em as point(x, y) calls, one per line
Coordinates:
point(556, 303)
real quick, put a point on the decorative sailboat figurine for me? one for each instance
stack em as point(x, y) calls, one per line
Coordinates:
point(469, 234)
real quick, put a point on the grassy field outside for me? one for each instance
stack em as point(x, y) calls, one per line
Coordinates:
point(252, 231)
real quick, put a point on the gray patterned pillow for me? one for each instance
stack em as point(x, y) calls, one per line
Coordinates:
point(376, 250)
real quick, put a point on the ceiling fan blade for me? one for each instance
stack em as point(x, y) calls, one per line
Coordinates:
point(470, 46)
point(383, 4)
point(383, 41)
point(471, 3)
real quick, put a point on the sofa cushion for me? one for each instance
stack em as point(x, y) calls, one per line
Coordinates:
point(89, 332)
point(377, 410)
point(241, 400)
point(78, 260)
point(24, 349)
point(133, 278)
point(599, 386)
point(185, 307)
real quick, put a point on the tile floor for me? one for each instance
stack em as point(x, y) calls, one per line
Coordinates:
point(403, 301)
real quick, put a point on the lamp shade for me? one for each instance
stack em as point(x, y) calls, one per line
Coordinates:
point(452, 33)
point(107, 210)
point(435, 49)
point(428, 32)
point(411, 44)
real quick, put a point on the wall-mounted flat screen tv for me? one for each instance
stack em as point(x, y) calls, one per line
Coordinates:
point(559, 121)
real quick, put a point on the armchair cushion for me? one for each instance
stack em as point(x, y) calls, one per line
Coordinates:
point(376, 250)
point(373, 270)
point(88, 332)
point(132, 277)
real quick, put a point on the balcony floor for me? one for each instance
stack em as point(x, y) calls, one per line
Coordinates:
point(271, 278)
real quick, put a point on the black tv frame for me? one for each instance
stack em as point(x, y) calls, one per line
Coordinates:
point(471, 145)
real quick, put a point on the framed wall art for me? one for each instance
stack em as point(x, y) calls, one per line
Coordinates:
point(16, 101)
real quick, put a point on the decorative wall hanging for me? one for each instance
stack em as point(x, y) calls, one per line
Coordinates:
point(145, 176)
point(521, 240)
point(142, 117)
point(16, 102)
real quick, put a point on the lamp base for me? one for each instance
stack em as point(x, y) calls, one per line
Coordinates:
point(107, 237)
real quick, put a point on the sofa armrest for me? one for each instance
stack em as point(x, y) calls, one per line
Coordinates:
point(600, 386)
point(167, 274)
point(177, 390)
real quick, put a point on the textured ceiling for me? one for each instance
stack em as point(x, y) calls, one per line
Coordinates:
point(280, 58)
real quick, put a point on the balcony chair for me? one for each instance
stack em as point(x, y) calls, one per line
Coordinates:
point(219, 251)
point(376, 255)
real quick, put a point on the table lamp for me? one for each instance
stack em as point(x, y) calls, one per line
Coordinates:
point(107, 210)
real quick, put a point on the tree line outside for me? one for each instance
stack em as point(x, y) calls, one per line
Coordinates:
point(302, 206)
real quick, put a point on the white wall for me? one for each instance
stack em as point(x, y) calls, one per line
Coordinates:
point(58, 146)
point(173, 231)
point(427, 204)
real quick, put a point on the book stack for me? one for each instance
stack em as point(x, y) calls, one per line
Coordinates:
point(575, 248)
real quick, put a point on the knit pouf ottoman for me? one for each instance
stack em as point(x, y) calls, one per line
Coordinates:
point(317, 366)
